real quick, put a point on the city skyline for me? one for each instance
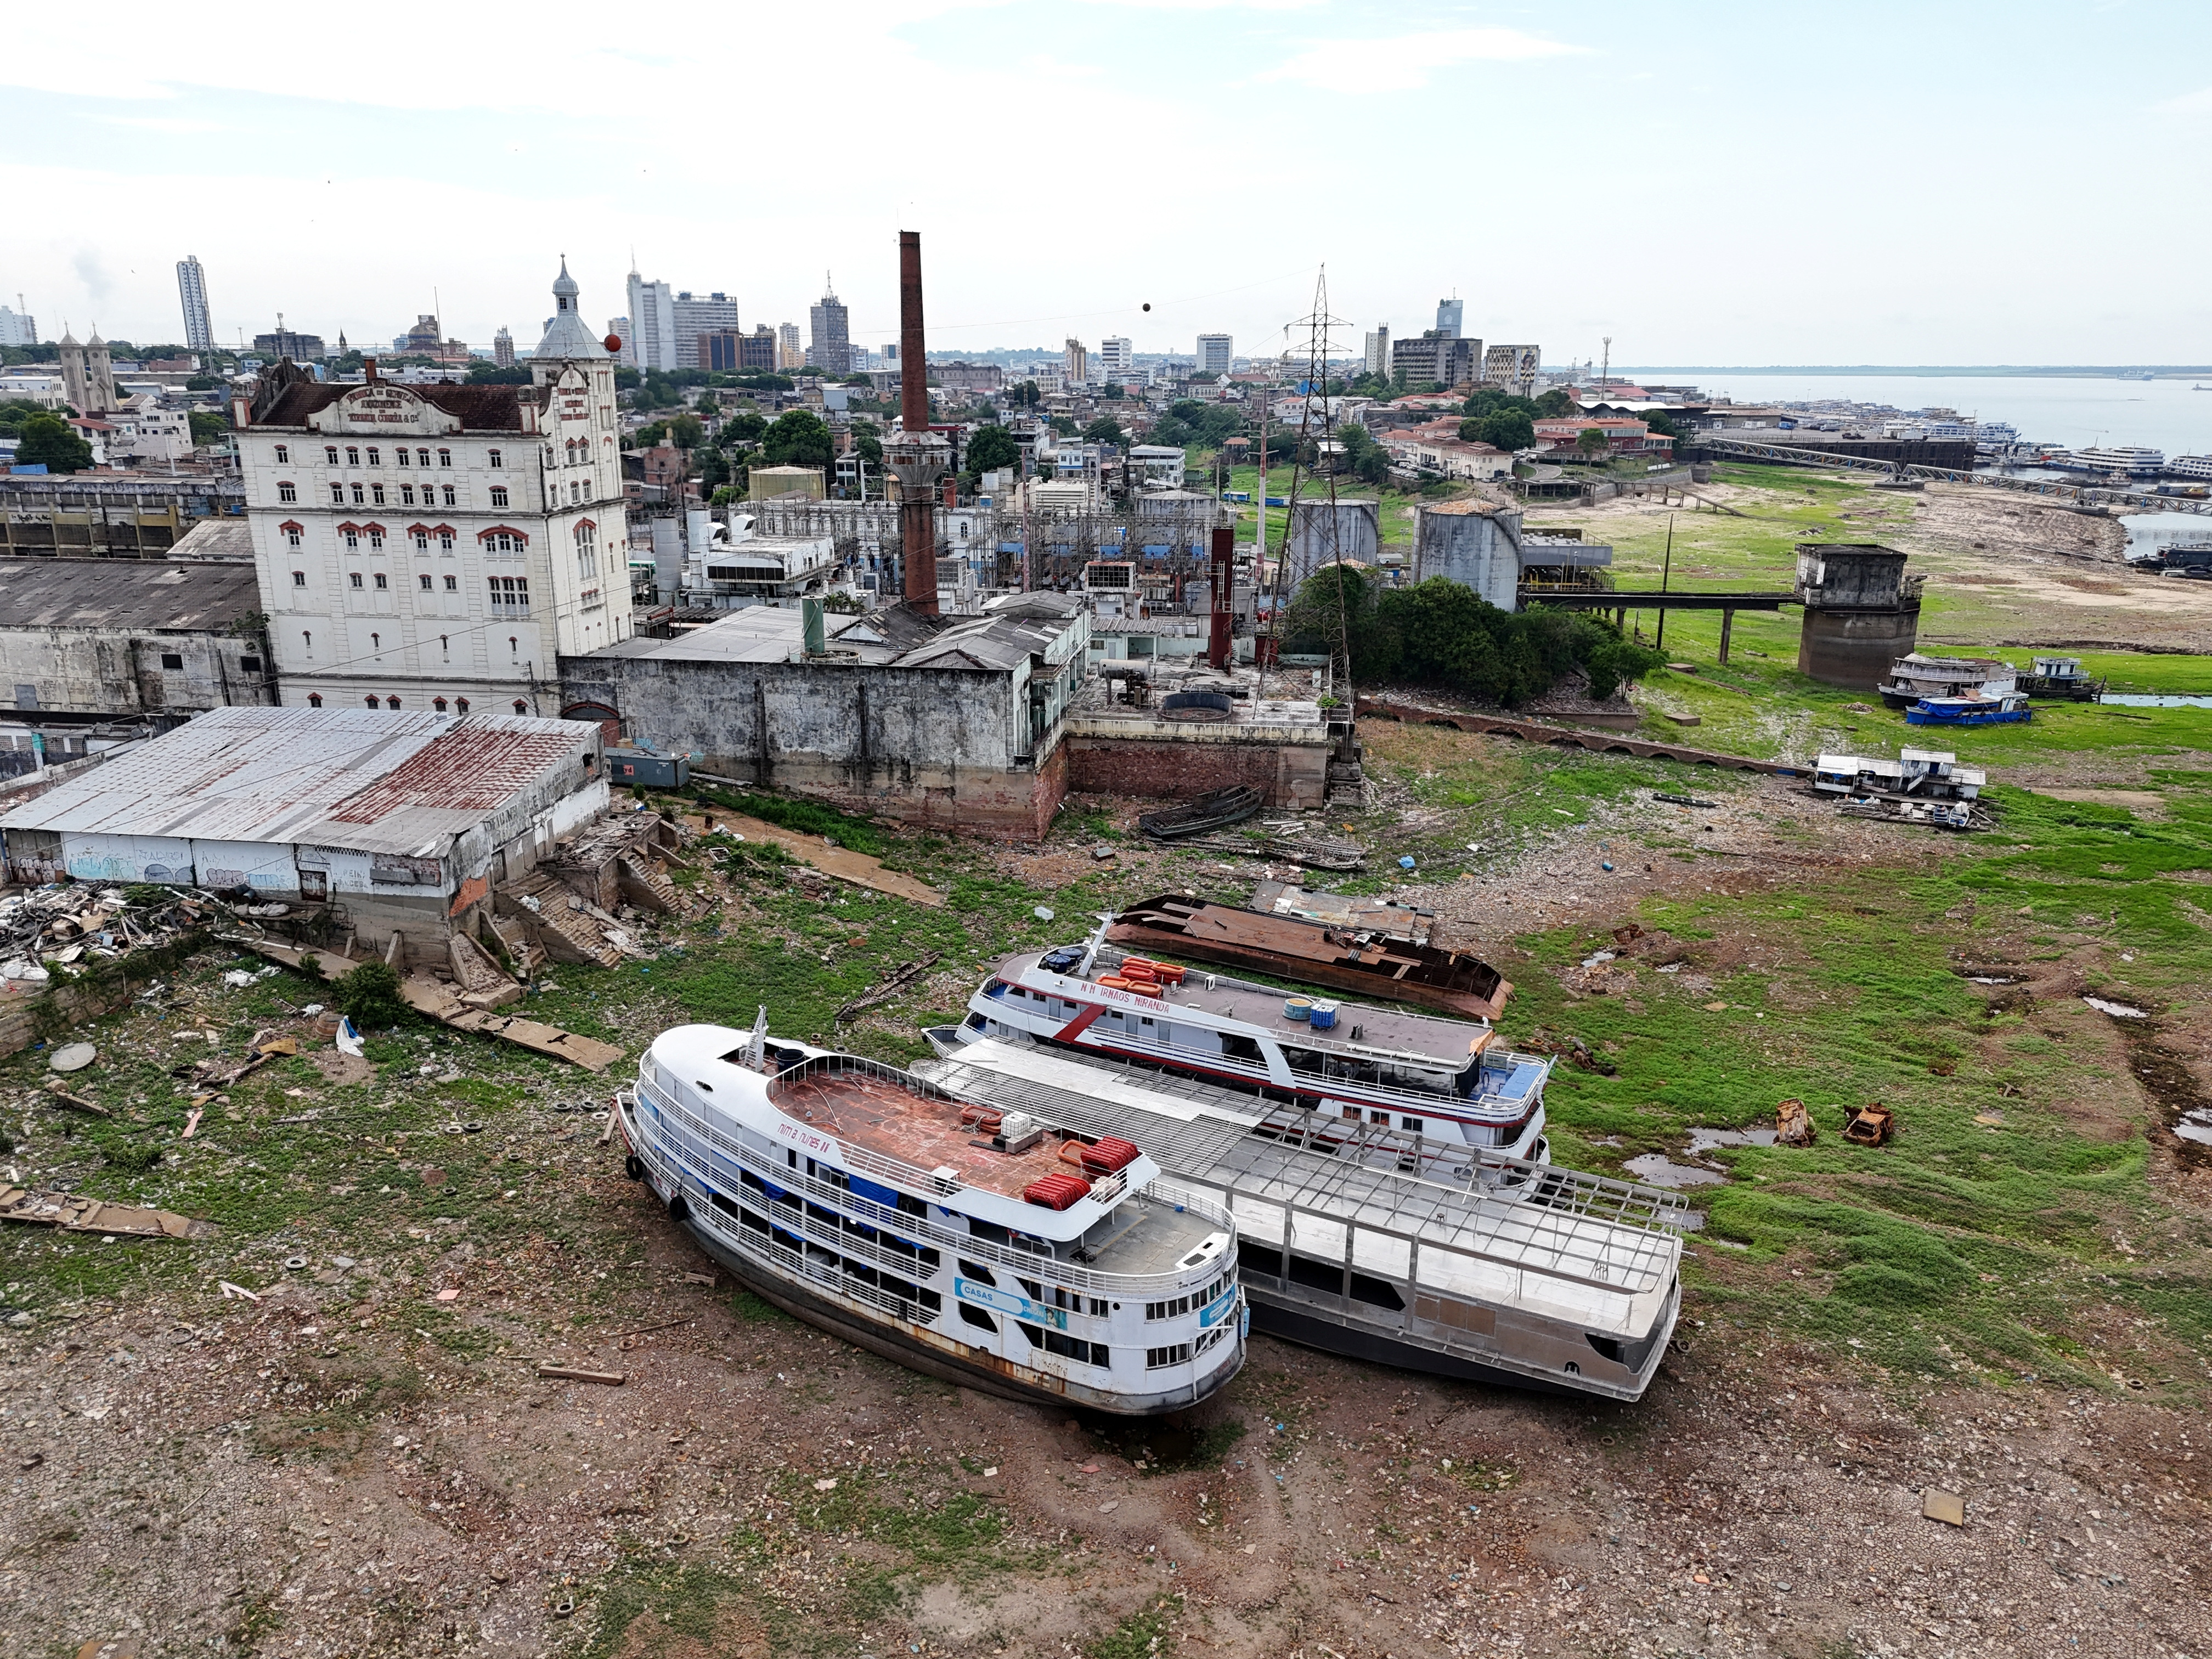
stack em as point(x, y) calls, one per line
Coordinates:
point(135, 135)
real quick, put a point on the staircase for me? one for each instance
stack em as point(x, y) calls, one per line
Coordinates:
point(1348, 776)
point(565, 926)
point(644, 885)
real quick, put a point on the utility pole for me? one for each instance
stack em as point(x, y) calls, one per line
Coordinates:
point(1665, 570)
point(1605, 374)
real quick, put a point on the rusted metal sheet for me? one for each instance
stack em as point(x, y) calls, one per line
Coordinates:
point(473, 769)
point(1385, 966)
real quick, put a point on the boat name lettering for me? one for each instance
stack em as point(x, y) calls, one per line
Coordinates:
point(1084, 990)
point(1005, 1301)
point(811, 1139)
point(1218, 1309)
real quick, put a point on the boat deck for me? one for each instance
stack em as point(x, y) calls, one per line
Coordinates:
point(1447, 1042)
point(1612, 1237)
point(879, 1117)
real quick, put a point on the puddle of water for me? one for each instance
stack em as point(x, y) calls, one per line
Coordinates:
point(1602, 955)
point(1657, 1169)
point(2134, 699)
point(2117, 1010)
point(1704, 1139)
point(1991, 979)
point(1669, 968)
point(2196, 1126)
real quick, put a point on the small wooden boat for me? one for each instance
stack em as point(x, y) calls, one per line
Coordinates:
point(1216, 810)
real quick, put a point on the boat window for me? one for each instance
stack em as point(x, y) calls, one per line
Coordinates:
point(1413, 1123)
point(978, 1272)
point(1378, 1117)
point(990, 1230)
point(975, 1317)
point(1144, 1019)
point(1352, 1114)
point(1241, 1048)
point(1309, 1060)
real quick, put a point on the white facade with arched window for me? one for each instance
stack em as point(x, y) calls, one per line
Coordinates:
point(420, 542)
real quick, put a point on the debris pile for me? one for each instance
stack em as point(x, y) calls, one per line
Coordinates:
point(68, 922)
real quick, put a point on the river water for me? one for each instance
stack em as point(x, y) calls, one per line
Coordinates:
point(2074, 410)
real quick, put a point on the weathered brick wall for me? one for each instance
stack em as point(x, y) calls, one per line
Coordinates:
point(1295, 776)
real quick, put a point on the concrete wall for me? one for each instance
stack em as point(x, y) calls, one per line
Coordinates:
point(1480, 550)
point(936, 746)
point(1321, 533)
point(1855, 648)
point(76, 671)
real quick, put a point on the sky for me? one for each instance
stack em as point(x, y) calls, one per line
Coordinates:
point(1705, 183)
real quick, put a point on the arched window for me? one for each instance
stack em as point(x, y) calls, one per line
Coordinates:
point(286, 492)
point(421, 541)
point(283, 455)
point(392, 702)
point(444, 458)
point(492, 458)
point(587, 548)
point(520, 706)
point(314, 700)
point(352, 537)
point(307, 640)
point(376, 535)
point(331, 451)
point(461, 705)
point(445, 541)
point(438, 704)
point(353, 456)
point(402, 453)
point(422, 458)
point(370, 699)
point(292, 536)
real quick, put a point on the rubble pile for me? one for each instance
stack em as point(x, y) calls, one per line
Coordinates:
point(66, 922)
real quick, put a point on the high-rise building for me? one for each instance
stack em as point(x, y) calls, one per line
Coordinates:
point(717, 314)
point(502, 348)
point(1378, 350)
point(1441, 358)
point(718, 352)
point(1115, 358)
point(191, 290)
point(829, 347)
point(282, 342)
point(1512, 369)
point(756, 350)
point(1075, 364)
point(1215, 353)
point(434, 547)
point(88, 382)
point(18, 328)
point(652, 341)
point(1448, 317)
point(788, 353)
point(619, 327)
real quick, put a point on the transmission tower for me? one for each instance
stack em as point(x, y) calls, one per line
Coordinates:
point(1316, 325)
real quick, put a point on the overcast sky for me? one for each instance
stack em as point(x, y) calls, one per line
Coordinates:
point(1707, 183)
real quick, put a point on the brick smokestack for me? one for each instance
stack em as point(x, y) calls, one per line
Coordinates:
point(917, 458)
point(1224, 596)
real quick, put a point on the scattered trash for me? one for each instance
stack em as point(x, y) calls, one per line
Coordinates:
point(825, 1485)
point(1596, 957)
point(238, 979)
point(449, 1295)
point(1793, 1124)
point(1043, 913)
point(2117, 1010)
point(230, 1291)
point(710, 1280)
point(1949, 1507)
point(1110, 1506)
point(75, 1212)
point(1102, 852)
point(1684, 800)
point(1405, 862)
point(1604, 866)
point(192, 1123)
point(574, 1374)
point(72, 1057)
point(295, 1263)
point(347, 1038)
point(1869, 1126)
point(77, 1102)
point(1991, 1120)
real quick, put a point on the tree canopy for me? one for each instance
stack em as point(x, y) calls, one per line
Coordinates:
point(1103, 430)
point(991, 448)
point(798, 437)
point(208, 427)
point(46, 438)
point(1195, 425)
point(1591, 441)
point(1554, 403)
point(489, 374)
point(1508, 430)
point(1441, 633)
point(1368, 460)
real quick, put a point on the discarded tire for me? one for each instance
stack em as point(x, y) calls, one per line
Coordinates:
point(677, 1209)
point(633, 1169)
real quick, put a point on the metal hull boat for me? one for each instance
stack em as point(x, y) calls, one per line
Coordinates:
point(954, 1238)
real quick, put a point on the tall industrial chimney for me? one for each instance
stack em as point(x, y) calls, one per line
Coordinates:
point(917, 457)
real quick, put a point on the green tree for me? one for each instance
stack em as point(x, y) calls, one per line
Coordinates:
point(713, 466)
point(1111, 392)
point(1505, 428)
point(490, 374)
point(203, 383)
point(991, 448)
point(369, 996)
point(1591, 442)
point(797, 438)
point(1064, 425)
point(652, 434)
point(46, 438)
point(744, 427)
point(686, 432)
point(208, 427)
point(1103, 430)
point(867, 442)
point(709, 404)
point(1025, 396)
point(1555, 404)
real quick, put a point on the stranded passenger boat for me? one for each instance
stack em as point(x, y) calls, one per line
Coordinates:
point(954, 1238)
point(1445, 1080)
point(1969, 711)
point(1374, 964)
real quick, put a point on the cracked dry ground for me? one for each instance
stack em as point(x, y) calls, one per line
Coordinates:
point(331, 1471)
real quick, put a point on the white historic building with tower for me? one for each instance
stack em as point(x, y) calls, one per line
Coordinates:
point(440, 547)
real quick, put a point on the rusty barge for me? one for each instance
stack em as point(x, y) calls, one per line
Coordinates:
point(1383, 966)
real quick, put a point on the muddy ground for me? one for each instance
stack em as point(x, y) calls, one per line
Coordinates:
point(302, 1476)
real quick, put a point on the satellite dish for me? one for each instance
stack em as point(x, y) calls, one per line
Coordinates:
point(614, 342)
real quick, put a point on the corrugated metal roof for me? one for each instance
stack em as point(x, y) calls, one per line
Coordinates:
point(125, 593)
point(377, 782)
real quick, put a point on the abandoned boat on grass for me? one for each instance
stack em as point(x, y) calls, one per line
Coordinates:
point(954, 1238)
point(1447, 1081)
point(1216, 810)
point(1571, 1283)
point(1385, 966)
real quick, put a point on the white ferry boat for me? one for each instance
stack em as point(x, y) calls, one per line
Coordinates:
point(2131, 460)
point(1445, 1080)
point(2190, 466)
point(953, 1237)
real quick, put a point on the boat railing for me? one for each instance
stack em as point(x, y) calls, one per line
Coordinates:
point(766, 1164)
